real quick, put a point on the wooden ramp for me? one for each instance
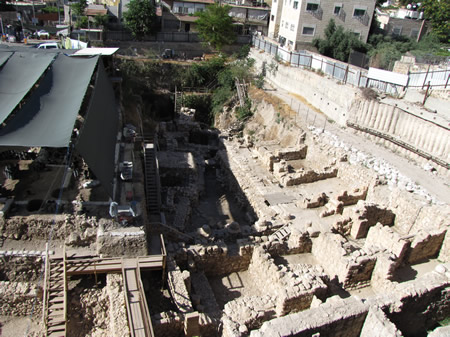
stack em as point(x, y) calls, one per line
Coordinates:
point(57, 269)
point(138, 315)
point(55, 298)
point(111, 265)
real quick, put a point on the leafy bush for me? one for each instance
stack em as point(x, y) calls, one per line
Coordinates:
point(338, 43)
point(245, 111)
point(202, 106)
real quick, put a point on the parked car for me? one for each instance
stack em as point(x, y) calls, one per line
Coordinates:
point(42, 34)
point(47, 45)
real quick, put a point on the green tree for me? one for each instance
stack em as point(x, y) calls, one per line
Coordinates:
point(79, 7)
point(140, 17)
point(215, 26)
point(101, 20)
point(438, 12)
point(338, 43)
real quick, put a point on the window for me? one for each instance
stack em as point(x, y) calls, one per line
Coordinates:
point(180, 10)
point(274, 0)
point(308, 30)
point(295, 4)
point(312, 7)
point(397, 31)
point(292, 27)
point(282, 23)
point(287, 25)
point(272, 18)
point(337, 9)
point(357, 34)
point(359, 12)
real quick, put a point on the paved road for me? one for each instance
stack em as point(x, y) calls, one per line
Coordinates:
point(437, 186)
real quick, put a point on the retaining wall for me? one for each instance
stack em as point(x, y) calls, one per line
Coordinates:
point(414, 130)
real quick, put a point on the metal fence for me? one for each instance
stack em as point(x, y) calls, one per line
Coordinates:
point(347, 73)
point(434, 78)
point(341, 71)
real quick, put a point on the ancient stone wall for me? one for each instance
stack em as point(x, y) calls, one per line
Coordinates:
point(292, 289)
point(338, 318)
point(426, 244)
point(168, 324)
point(20, 299)
point(414, 307)
point(377, 322)
point(20, 268)
point(352, 266)
point(121, 242)
point(179, 284)
point(384, 237)
point(365, 215)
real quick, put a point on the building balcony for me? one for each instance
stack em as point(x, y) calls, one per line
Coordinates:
point(317, 13)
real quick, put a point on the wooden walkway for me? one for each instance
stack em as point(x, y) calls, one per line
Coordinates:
point(57, 269)
point(137, 309)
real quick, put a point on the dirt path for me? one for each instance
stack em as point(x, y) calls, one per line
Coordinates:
point(436, 186)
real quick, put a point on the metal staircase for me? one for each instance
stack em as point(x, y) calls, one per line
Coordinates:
point(152, 190)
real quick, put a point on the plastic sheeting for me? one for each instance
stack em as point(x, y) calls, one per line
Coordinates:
point(97, 141)
point(18, 75)
point(48, 117)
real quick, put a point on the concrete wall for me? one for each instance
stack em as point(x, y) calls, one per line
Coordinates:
point(333, 99)
point(414, 130)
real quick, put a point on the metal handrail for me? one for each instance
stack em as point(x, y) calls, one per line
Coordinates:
point(46, 283)
point(143, 302)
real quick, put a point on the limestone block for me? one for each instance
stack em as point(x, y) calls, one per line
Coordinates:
point(366, 215)
point(426, 245)
point(377, 324)
point(384, 237)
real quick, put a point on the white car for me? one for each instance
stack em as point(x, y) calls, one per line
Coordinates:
point(48, 45)
point(42, 33)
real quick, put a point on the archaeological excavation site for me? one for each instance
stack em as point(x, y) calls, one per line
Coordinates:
point(145, 210)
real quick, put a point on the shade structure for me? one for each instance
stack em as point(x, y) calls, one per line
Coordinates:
point(48, 116)
point(98, 136)
point(18, 75)
point(4, 56)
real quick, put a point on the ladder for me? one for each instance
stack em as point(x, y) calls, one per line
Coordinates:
point(55, 297)
point(281, 234)
point(153, 198)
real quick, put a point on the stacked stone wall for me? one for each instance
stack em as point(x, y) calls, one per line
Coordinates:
point(20, 299)
point(352, 267)
point(341, 318)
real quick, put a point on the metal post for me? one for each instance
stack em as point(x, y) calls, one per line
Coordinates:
point(447, 81)
point(424, 80)
point(426, 94)
point(346, 75)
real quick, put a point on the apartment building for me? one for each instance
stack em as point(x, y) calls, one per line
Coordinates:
point(296, 22)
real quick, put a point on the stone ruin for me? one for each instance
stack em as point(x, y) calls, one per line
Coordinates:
point(264, 237)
